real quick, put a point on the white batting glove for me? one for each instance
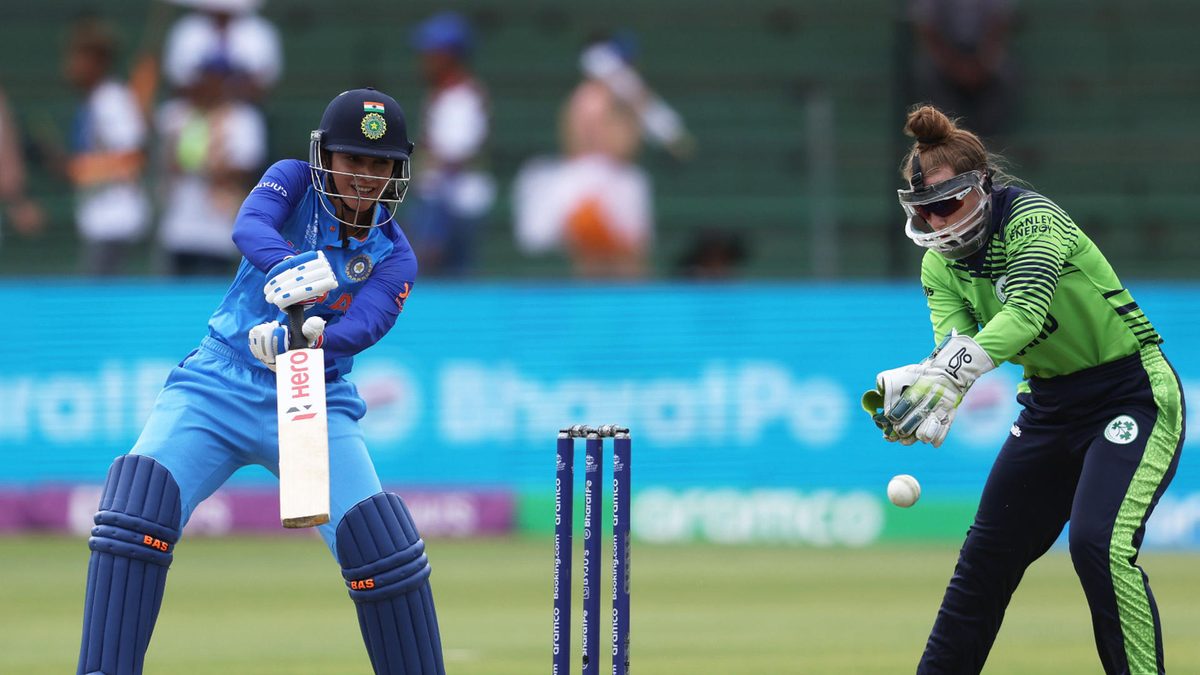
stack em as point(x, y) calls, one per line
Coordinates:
point(269, 340)
point(927, 407)
point(298, 279)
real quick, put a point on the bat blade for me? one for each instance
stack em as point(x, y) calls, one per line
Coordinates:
point(303, 438)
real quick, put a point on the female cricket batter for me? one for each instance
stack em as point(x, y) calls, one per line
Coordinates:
point(329, 221)
point(1010, 277)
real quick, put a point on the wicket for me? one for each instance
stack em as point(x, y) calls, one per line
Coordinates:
point(564, 520)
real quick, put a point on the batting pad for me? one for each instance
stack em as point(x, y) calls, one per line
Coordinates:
point(132, 544)
point(384, 564)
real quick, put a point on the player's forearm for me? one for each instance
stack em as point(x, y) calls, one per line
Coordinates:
point(947, 309)
point(256, 237)
point(356, 331)
point(372, 315)
point(97, 168)
point(949, 317)
point(264, 212)
point(256, 229)
point(1009, 332)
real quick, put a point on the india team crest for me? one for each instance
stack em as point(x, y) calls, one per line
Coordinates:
point(359, 267)
point(373, 126)
point(1122, 430)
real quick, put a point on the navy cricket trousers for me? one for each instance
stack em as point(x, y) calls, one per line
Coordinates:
point(1096, 448)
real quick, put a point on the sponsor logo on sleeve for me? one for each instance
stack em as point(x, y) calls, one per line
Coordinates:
point(402, 296)
point(272, 185)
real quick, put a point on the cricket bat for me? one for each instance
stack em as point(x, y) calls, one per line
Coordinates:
point(303, 430)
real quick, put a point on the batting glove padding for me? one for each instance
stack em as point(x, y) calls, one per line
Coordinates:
point(300, 278)
point(269, 340)
point(927, 407)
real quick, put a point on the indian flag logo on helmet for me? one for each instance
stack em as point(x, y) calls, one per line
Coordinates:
point(372, 107)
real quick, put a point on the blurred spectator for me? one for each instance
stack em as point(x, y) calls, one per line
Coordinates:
point(106, 150)
point(611, 98)
point(713, 255)
point(453, 192)
point(228, 30)
point(211, 147)
point(963, 64)
point(595, 202)
point(19, 211)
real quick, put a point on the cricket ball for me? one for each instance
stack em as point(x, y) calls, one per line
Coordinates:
point(903, 490)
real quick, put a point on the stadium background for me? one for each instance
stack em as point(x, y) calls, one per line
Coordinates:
point(742, 396)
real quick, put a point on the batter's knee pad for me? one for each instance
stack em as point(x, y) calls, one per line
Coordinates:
point(384, 564)
point(136, 530)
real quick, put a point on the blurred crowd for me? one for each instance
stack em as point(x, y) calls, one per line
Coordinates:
point(167, 151)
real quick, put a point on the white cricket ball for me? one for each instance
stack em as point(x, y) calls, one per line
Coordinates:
point(904, 490)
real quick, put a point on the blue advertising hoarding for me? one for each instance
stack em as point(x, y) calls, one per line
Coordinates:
point(730, 390)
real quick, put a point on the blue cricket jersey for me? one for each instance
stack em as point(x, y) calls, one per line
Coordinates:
point(283, 216)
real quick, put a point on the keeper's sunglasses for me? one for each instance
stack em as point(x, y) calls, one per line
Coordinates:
point(943, 208)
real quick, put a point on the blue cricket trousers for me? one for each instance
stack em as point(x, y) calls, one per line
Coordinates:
point(217, 414)
point(1096, 448)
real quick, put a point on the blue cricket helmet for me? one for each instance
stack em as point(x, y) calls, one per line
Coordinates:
point(365, 122)
point(368, 123)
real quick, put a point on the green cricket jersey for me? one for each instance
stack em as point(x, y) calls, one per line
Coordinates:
point(1039, 293)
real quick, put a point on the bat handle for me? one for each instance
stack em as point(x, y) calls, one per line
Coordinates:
point(296, 337)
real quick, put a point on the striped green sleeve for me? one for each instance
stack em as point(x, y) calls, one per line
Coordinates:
point(1038, 238)
point(948, 310)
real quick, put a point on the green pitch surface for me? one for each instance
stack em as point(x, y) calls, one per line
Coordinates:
point(278, 606)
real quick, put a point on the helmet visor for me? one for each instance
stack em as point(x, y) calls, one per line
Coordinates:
point(942, 199)
point(945, 200)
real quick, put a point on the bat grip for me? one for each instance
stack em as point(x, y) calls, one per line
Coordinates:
point(296, 339)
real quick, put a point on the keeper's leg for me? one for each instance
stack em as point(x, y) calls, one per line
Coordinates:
point(1119, 488)
point(132, 544)
point(384, 564)
point(1022, 510)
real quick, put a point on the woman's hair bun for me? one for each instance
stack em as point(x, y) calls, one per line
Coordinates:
point(929, 125)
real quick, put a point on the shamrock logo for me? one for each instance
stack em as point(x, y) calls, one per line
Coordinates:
point(1122, 430)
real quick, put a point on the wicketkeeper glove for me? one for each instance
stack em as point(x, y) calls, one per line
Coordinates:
point(299, 279)
point(889, 385)
point(927, 407)
point(872, 402)
point(269, 340)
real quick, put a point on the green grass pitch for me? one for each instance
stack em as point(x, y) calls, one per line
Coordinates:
point(278, 606)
